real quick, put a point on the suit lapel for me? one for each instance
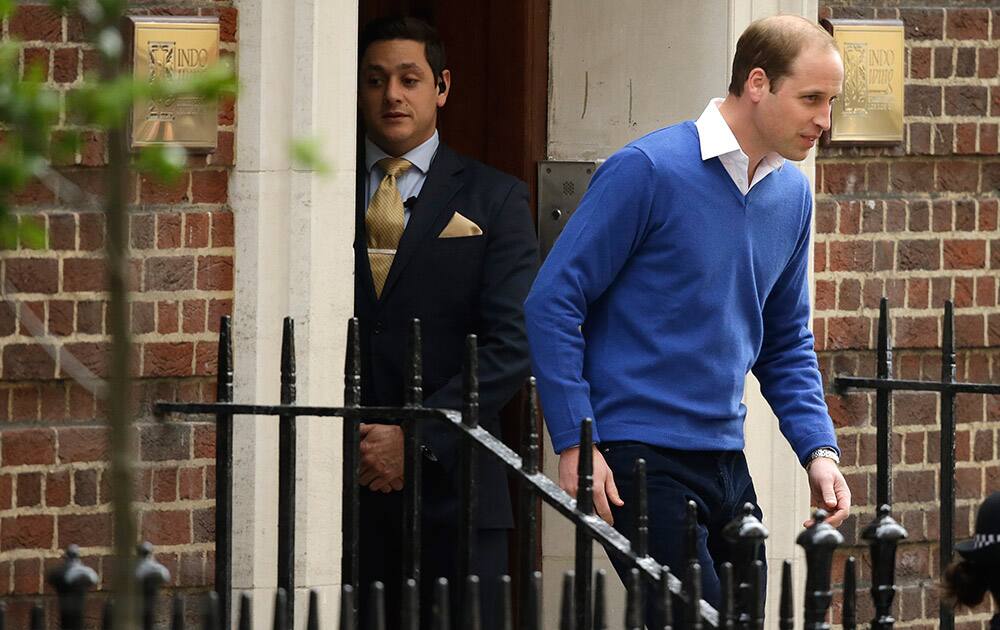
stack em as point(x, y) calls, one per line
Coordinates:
point(363, 286)
point(442, 182)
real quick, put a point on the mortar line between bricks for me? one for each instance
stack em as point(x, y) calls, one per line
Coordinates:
point(138, 508)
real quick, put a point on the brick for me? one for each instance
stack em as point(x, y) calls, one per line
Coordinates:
point(142, 228)
point(34, 193)
point(871, 218)
point(83, 444)
point(915, 332)
point(169, 273)
point(968, 23)
point(987, 68)
point(953, 176)
point(943, 66)
point(163, 442)
point(920, 62)
point(204, 522)
point(826, 216)
point(965, 138)
point(222, 229)
point(942, 215)
point(32, 275)
point(84, 274)
point(986, 291)
point(919, 216)
point(965, 62)
point(60, 317)
point(850, 256)
point(919, 138)
point(27, 580)
point(165, 485)
point(196, 229)
point(918, 254)
point(826, 295)
point(57, 489)
point(963, 292)
point(36, 63)
point(168, 231)
point(167, 359)
point(943, 136)
point(204, 442)
point(85, 530)
point(940, 291)
point(27, 532)
point(966, 100)
point(217, 309)
point(193, 312)
point(90, 317)
point(215, 273)
point(964, 254)
point(923, 23)
point(167, 317)
point(210, 186)
point(878, 177)
point(849, 294)
point(36, 23)
point(849, 410)
point(143, 317)
point(911, 176)
point(92, 355)
point(53, 401)
point(847, 332)
point(843, 178)
point(153, 191)
point(64, 64)
point(8, 321)
point(29, 490)
point(914, 486)
point(85, 487)
point(227, 110)
point(991, 176)
point(190, 484)
point(6, 492)
point(62, 231)
point(965, 215)
point(166, 527)
point(206, 358)
point(988, 139)
point(27, 362)
point(24, 403)
point(922, 100)
point(968, 483)
point(224, 150)
point(969, 331)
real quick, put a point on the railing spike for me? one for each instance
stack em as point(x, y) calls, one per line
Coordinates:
point(528, 508)
point(376, 616)
point(347, 617)
point(727, 609)
point(691, 534)
point(71, 580)
point(692, 587)
point(600, 616)
point(820, 540)
point(150, 575)
point(745, 535)
point(287, 456)
point(224, 471)
point(567, 613)
point(849, 616)
point(107, 615)
point(665, 597)
point(177, 612)
point(441, 611)
point(415, 379)
point(786, 606)
point(883, 535)
point(211, 613)
point(756, 604)
point(410, 614)
point(312, 620)
point(352, 375)
point(280, 620)
point(37, 617)
point(883, 408)
point(634, 608)
point(3, 616)
point(506, 604)
point(246, 613)
point(467, 455)
point(470, 608)
point(584, 555)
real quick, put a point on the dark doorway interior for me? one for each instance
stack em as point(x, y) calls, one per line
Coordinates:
point(498, 56)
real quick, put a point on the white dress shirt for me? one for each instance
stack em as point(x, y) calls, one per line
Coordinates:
point(717, 140)
point(409, 183)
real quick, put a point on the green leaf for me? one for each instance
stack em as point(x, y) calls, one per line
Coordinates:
point(6, 8)
point(164, 162)
point(31, 232)
point(306, 154)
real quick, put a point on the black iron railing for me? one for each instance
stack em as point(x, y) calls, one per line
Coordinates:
point(678, 603)
point(884, 385)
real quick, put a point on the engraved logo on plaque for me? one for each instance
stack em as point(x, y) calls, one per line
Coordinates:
point(856, 81)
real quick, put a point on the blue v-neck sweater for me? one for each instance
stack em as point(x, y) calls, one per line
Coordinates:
point(665, 288)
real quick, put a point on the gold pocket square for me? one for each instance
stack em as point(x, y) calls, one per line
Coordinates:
point(460, 226)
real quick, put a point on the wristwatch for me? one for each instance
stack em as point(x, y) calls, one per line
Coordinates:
point(824, 451)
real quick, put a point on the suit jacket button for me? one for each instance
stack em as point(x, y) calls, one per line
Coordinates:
point(377, 329)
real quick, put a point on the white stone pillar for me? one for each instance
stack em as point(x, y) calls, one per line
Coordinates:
point(654, 65)
point(294, 235)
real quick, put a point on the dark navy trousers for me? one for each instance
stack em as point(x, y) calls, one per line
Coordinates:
point(717, 481)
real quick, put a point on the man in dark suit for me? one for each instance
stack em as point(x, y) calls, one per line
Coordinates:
point(450, 241)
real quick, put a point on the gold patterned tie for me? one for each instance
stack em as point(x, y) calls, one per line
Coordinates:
point(385, 221)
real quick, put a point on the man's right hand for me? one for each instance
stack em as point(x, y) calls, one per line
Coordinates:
point(605, 489)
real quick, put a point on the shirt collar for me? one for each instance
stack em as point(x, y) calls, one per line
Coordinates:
point(716, 138)
point(420, 156)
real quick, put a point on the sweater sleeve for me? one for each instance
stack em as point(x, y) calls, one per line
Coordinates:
point(604, 231)
point(786, 366)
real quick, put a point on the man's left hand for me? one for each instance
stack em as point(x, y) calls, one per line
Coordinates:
point(381, 457)
point(829, 490)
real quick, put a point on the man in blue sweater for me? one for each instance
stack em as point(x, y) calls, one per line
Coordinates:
point(684, 268)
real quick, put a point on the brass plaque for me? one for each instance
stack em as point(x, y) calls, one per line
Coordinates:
point(870, 110)
point(169, 48)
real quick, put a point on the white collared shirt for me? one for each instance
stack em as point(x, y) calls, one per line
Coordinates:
point(409, 183)
point(717, 140)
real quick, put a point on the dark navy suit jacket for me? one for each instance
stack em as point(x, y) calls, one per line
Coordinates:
point(455, 286)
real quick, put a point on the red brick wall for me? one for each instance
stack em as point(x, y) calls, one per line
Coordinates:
point(918, 224)
point(54, 481)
